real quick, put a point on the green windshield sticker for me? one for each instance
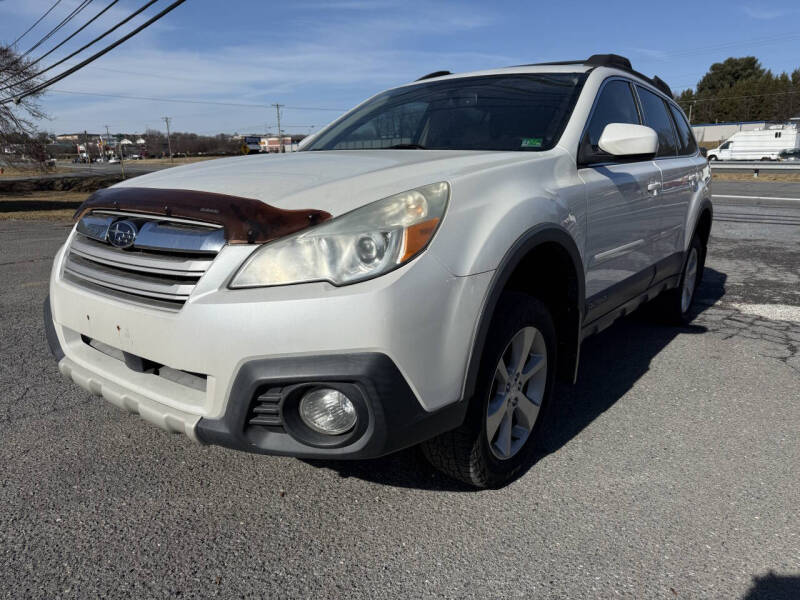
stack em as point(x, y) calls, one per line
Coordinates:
point(531, 142)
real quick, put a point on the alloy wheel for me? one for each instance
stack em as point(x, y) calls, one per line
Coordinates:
point(517, 393)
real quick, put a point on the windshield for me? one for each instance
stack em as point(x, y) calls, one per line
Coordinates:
point(498, 112)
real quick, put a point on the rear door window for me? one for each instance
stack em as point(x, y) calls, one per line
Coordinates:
point(656, 116)
point(688, 145)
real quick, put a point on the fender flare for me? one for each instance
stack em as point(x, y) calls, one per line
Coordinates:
point(704, 204)
point(528, 241)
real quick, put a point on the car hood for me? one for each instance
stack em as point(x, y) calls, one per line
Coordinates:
point(333, 181)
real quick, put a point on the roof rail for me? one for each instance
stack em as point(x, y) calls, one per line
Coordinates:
point(662, 85)
point(434, 74)
point(609, 60)
point(615, 61)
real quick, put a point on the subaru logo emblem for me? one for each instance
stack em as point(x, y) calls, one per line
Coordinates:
point(122, 234)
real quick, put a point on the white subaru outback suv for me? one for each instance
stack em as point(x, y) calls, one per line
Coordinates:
point(421, 272)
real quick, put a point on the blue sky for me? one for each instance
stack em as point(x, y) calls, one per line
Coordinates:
point(331, 55)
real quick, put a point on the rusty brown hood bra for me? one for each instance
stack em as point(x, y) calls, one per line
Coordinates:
point(245, 220)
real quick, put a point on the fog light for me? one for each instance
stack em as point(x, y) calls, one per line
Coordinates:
point(328, 411)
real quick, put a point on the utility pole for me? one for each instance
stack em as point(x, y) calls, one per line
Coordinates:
point(280, 134)
point(86, 148)
point(119, 149)
point(691, 106)
point(169, 143)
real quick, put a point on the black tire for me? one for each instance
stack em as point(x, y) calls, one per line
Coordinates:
point(712, 158)
point(672, 300)
point(464, 453)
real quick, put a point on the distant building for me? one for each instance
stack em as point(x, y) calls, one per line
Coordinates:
point(718, 132)
point(76, 137)
point(273, 144)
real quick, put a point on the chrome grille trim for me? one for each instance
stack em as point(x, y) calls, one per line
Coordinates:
point(165, 264)
point(143, 301)
point(160, 270)
point(122, 213)
point(167, 288)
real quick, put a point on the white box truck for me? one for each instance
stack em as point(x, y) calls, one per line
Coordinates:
point(759, 144)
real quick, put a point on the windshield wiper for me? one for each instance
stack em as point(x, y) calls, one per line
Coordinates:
point(405, 147)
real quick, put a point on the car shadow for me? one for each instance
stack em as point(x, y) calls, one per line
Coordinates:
point(611, 363)
point(774, 587)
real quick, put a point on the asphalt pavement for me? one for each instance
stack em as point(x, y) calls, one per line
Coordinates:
point(671, 470)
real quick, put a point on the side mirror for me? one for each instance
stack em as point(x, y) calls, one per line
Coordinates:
point(703, 152)
point(626, 139)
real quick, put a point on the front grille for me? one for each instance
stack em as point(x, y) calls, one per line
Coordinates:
point(265, 410)
point(159, 269)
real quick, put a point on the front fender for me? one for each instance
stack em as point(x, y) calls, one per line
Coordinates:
point(528, 241)
point(491, 209)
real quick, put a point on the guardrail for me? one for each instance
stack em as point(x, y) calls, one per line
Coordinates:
point(755, 166)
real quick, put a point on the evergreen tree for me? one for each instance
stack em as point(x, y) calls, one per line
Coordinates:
point(740, 89)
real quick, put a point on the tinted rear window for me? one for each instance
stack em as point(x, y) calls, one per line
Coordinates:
point(656, 116)
point(688, 145)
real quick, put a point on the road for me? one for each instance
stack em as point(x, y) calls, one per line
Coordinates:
point(671, 470)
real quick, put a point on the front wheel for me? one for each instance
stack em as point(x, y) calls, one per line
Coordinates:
point(499, 435)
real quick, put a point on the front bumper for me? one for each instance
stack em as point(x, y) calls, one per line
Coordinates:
point(404, 350)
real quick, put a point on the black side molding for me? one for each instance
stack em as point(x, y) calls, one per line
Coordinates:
point(50, 331)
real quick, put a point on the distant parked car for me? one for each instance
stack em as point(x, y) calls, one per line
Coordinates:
point(792, 154)
point(113, 160)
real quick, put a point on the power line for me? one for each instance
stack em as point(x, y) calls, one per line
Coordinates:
point(95, 56)
point(55, 29)
point(186, 101)
point(738, 44)
point(84, 26)
point(82, 48)
point(39, 20)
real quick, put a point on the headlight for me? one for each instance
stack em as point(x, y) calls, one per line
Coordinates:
point(361, 244)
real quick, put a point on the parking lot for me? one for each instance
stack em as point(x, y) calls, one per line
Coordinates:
point(672, 468)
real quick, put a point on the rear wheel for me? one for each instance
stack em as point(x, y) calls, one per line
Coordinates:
point(498, 437)
point(679, 301)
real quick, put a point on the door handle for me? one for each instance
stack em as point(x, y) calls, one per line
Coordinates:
point(653, 187)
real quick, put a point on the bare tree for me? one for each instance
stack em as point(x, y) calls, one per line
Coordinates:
point(18, 140)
